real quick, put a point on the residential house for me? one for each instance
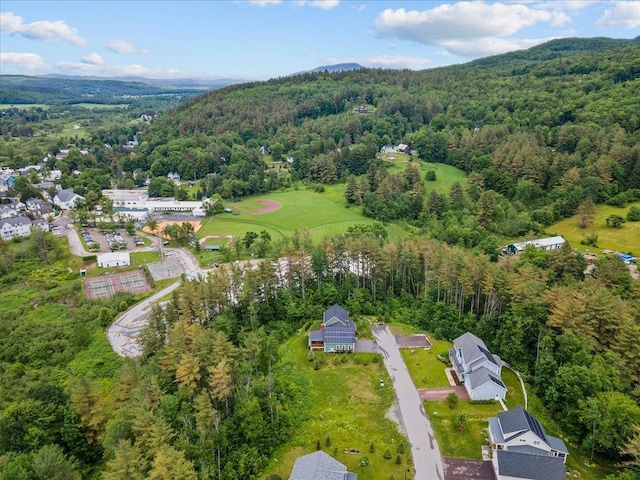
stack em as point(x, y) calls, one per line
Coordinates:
point(337, 333)
point(403, 148)
point(477, 368)
point(7, 178)
point(20, 227)
point(320, 466)
point(38, 207)
point(548, 243)
point(361, 109)
point(523, 450)
point(66, 199)
point(265, 150)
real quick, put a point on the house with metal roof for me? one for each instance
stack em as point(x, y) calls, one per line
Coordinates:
point(523, 450)
point(477, 368)
point(548, 243)
point(320, 466)
point(337, 333)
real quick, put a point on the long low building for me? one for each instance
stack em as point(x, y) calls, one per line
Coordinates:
point(548, 243)
point(114, 259)
point(20, 226)
point(137, 200)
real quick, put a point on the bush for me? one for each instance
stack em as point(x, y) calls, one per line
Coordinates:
point(312, 356)
point(633, 215)
point(364, 462)
point(444, 359)
point(357, 360)
point(398, 460)
point(401, 448)
point(461, 421)
point(316, 366)
point(327, 441)
point(372, 449)
point(273, 476)
point(343, 358)
point(430, 176)
point(452, 400)
point(491, 401)
point(318, 445)
point(376, 358)
point(387, 454)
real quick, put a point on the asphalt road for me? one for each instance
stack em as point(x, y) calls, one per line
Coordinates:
point(427, 461)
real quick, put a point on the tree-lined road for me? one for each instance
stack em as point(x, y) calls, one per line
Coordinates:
point(427, 461)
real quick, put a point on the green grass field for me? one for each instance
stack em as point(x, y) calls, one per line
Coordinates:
point(623, 239)
point(142, 258)
point(298, 210)
point(424, 367)
point(446, 175)
point(346, 402)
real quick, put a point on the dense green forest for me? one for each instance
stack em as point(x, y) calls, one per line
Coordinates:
point(542, 134)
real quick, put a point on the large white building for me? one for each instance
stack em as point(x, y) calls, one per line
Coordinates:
point(139, 200)
point(548, 243)
point(114, 259)
point(66, 199)
point(20, 227)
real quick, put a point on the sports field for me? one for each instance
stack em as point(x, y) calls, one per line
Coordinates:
point(282, 213)
point(106, 286)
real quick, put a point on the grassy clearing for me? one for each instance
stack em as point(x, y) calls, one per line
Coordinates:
point(446, 175)
point(346, 402)
point(100, 106)
point(623, 239)
point(142, 258)
point(23, 106)
point(424, 367)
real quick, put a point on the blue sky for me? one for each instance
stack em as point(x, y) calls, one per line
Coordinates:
point(255, 40)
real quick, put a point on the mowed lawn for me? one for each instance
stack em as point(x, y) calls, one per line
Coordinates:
point(346, 402)
point(424, 367)
point(625, 238)
point(299, 209)
point(446, 175)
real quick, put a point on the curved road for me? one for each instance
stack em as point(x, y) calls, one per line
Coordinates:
point(427, 461)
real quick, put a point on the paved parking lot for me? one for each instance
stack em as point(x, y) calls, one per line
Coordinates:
point(101, 239)
point(413, 341)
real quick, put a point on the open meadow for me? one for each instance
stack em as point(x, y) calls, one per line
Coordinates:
point(446, 175)
point(625, 238)
point(343, 399)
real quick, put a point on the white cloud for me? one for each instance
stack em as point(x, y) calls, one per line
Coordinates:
point(93, 59)
point(120, 46)
point(103, 70)
point(574, 5)
point(385, 61)
point(40, 30)
point(467, 28)
point(262, 3)
point(623, 14)
point(325, 4)
point(23, 63)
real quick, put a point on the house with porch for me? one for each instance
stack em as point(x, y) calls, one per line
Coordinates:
point(66, 199)
point(521, 449)
point(337, 333)
point(320, 466)
point(477, 368)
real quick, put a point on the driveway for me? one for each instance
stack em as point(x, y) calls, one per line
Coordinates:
point(427, 461)
point(441, 393)
point(456, 469)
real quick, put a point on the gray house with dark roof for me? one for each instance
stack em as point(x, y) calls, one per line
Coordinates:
point(320, 466)
point(477, 368)
point(337, 333)
point(522, 449)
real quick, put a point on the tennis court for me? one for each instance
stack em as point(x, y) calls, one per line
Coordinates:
point(106, 286)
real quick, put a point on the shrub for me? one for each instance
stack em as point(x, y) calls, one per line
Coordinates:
point(491, 401)
point(633, 215)
point(316, 366)
point(327, 441)
point(364, 462)
point(343, 358)
point(398, 460)
point(318, 445)
point(311, 356)
point(376, 358)
point(273, 476)
point(452, 400)
point(372, 449)
point(357, 360)
point(387, 454)
point(401, 448)
point(430, 176)
point(461, 421)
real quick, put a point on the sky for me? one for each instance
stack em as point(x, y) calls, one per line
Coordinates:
point(261, 39)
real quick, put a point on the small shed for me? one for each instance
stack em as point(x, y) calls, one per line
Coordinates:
point(211, 248)
point(228, 210)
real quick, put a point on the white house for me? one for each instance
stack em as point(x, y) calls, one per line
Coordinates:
point(548, 243)
point(477, 368)
point(521, 449)
point(20, 227)
point(114, 259)
point(66, 199)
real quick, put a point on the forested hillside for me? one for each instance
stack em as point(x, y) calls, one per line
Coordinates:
point(538, 132)
point(540, 135)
